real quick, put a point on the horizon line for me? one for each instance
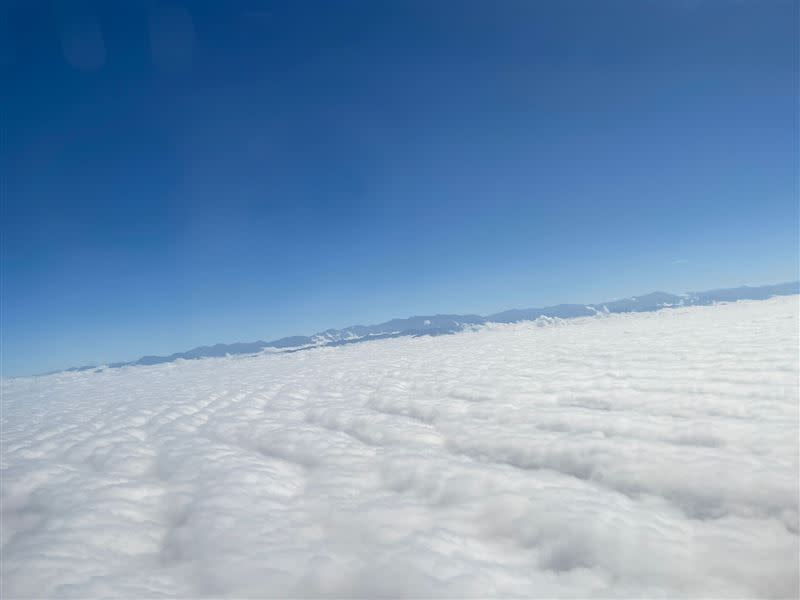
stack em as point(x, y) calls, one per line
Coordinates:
point(346, 334)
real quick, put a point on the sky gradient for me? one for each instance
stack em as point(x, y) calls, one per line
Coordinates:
point(189, 173)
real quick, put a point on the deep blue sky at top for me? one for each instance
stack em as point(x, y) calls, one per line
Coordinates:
point(195, 172)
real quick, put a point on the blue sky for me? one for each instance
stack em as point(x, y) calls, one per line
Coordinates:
point(190, 173)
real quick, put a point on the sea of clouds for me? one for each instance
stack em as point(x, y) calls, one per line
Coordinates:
point(632, 455)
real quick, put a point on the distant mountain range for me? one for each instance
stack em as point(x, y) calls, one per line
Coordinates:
point(445, 324)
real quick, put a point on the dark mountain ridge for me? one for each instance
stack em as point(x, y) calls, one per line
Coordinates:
point(444, 324)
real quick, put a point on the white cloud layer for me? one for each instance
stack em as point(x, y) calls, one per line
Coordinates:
point(637, 455)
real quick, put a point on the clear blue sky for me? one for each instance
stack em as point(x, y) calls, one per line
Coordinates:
point(189, 173)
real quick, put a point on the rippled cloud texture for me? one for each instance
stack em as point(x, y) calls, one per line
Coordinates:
point(646, 455)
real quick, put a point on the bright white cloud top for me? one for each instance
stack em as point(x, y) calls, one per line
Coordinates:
point(646, 455)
